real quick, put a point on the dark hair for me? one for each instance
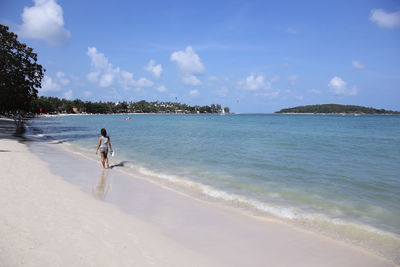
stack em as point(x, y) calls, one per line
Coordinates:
point(103, 132)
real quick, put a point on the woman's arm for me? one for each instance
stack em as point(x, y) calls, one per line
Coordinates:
point(109, 143)
point(98, 145)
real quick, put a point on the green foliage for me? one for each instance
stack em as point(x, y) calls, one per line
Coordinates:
point(335, 108)
point(20, 74)
point(56, 105)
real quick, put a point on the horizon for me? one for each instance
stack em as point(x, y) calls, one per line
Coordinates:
point(252, 57)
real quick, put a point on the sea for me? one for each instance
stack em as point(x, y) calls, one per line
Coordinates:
point(335, 174)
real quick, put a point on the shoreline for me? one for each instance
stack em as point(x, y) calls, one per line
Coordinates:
point(178, 216)
point(344, 232)
point(231, 113)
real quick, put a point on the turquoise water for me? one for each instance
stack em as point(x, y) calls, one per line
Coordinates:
point(334, 173)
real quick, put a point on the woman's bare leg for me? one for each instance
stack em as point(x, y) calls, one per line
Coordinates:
point(102, 158)
point(108, 166)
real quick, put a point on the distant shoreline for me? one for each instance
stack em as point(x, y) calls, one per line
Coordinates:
point(335, 109)
point(271, 113)
point(142, 113)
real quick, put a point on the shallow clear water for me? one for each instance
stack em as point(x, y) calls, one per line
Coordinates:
point(323, 170)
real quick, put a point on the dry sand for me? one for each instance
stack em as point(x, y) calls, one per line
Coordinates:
point(47, 221)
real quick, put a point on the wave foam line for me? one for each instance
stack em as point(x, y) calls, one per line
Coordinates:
point(274, 210)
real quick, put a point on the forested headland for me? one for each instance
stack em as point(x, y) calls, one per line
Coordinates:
point(56, 105)
point(336, 108)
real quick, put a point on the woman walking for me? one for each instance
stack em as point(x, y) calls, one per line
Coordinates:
point(104, 143)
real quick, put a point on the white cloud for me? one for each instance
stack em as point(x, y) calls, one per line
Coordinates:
point(61, 77)
point(315, 91)
point(126, 80)
point(155, 70)
point(188, 61)
point(256, 83)
point(60, 74)
point(143, 82)
point(106, 79)
point(48, 84)
point(269, 94)
point(162, 89)
point(98, 60)
point(213, 78)
point(357, 65)
point(87, 93)
point(56, 83)
point(385, 20)
point(68, 94)
point(191, 80)
point(222, 92)
point(194, 93)
point(105, 74)
point(337, 83)
point(293, 79)
point(291, 30)
point(293, 94)
point(253, 82)
point(44, 21)
point(339, 87)
point(93, 77)
point(189, 64)
point(274, 79)
point(75, 78)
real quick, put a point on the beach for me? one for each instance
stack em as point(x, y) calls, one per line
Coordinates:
point(47, 220)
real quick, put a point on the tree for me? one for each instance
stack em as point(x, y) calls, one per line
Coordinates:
point(213, 108)
point(20, 74)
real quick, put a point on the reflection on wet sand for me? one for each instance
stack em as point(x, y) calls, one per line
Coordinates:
point(103, 186)
point(8, 129)
point(20, 129)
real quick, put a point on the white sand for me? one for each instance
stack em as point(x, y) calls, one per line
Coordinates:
point(46, 221)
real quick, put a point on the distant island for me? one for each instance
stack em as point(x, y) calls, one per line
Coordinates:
point(336, 108)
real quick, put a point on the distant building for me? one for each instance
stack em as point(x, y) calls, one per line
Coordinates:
point(78, 110)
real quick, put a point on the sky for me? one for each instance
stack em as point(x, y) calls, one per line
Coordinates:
point(251, 56)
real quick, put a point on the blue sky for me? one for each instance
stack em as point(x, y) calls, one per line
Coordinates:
point(253, 56)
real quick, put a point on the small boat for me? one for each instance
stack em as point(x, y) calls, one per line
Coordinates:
point(127, 118)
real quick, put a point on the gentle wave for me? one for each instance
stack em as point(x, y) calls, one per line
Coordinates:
point(364, 235)
point(271, 209)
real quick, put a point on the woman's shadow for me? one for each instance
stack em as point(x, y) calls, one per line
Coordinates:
point(121, 164)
